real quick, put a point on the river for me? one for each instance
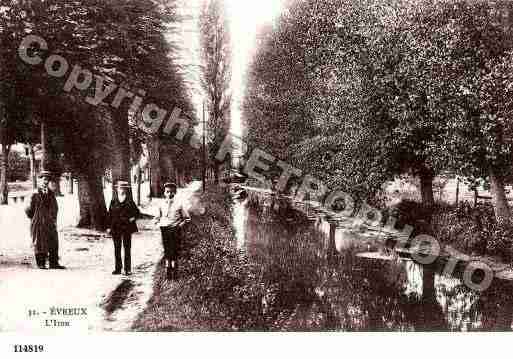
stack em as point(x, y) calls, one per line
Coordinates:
point(320, 276)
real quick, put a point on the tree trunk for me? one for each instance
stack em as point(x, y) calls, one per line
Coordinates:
point(4, 168)
point(45, 160)
point(121, 160)
point(33, 171)
point(426, 188)
point(499, 201)
point(93, 211)
point(216, 173)
point(50, 157)
point(4, 165)
point(70, 183)
point(154, 165)
point(139, 175)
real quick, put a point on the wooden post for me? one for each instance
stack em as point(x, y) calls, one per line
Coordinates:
point(33, 170)
point(457, 190)
point(332, 247)
point(204, 159)
point(155, 165)
point(150, 181)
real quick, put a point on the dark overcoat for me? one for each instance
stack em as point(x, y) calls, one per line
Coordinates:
point(120, 214)
point(42, 210)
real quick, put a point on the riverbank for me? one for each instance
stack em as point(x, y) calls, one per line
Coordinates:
point(291, 282)
point(217, 288)
point(284, 274)
point(466, 234)
point(222, 287)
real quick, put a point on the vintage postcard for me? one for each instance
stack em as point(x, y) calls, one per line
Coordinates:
point(255, 166)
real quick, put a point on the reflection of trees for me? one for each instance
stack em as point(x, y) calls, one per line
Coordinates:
point(469, 310)
point(430, 313)
point(291, 257)
point(458, 303)
point(495, 308)
point(311, 289)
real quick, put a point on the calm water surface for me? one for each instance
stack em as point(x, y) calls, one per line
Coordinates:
point(317, 272)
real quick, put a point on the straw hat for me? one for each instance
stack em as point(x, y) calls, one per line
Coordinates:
point(46, 174)
point(123, 184)
point(171, 185)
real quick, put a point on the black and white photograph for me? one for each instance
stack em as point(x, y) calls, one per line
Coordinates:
point(299, 166)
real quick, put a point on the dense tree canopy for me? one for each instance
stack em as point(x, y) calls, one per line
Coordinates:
point(114, 46)
point(358, 93)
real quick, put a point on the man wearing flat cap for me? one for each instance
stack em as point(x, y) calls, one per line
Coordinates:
point(123, 213)
point(42, 211)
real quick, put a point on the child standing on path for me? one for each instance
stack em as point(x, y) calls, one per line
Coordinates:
point(171, 218)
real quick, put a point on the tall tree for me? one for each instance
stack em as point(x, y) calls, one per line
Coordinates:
point(215, 49)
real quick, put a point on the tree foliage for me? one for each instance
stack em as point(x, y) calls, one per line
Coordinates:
point(216, 74)
point(358, 93)
point(124, 44)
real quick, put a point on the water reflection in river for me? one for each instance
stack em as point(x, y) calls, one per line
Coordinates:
point(240, 216)
point(317, 278)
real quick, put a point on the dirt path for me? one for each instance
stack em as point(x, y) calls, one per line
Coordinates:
point(87, 284)
point(96, 299)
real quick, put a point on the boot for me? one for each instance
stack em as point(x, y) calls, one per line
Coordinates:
point(54, 258)
point(169, 272)
point(56, 266)
point(41, 261)
point(175, 271)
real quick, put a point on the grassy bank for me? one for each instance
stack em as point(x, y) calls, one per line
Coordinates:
point(291, 284)
point(217, 289)
point(220, 289)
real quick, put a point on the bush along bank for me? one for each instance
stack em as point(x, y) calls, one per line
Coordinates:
point(468, 229)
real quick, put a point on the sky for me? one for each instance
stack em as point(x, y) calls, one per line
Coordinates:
point(245, 16)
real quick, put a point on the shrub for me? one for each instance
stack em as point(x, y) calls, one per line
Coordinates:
point(473, 229)
point(466, 228)
point(19, 167)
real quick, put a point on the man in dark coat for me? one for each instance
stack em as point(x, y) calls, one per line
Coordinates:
point(42, 211)
point(123, 213)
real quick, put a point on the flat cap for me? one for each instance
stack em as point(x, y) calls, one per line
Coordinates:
point(170, 185)
point(46, 174)
point(123, 184)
